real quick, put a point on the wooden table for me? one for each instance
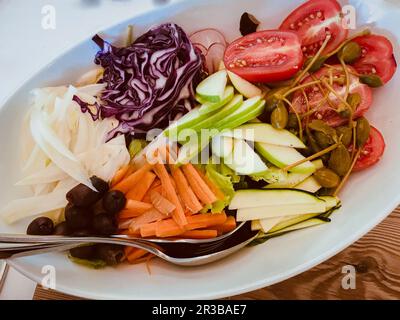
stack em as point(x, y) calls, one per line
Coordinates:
point(376, 258)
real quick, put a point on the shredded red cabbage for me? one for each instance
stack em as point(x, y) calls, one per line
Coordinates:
point(150, 82)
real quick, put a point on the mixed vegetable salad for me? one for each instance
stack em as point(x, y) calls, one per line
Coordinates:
point(185, 136)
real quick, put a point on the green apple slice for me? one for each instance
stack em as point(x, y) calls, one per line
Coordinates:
point(211, 120)
point(222, 146)
point(212, 88)
point(248, 108)
point(245, 87)
point(310, 184)
point(208, 107)
point(263, 132)
point(243, 160)
point(284, 156)
point(253, 198)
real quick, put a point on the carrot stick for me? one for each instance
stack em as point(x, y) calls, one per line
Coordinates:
point(227, 226)
point(198, 185)
point(135, 254)
point(134, 208)
point(178, 214)
point(169, 228)
point(119, 175)
point(185, 191)
point(219, 194)
point(130, 181)
point(139, 190)
point(199, 234)
point(149, 216)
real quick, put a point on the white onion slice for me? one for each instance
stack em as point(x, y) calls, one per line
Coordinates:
point(214, 56)
point(207, 37)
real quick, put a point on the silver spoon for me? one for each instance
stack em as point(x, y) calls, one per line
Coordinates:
point(185, 253)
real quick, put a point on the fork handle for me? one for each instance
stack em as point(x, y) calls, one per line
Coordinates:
point(23, 251)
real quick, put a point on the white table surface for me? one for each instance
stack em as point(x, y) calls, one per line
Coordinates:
point(27, 47)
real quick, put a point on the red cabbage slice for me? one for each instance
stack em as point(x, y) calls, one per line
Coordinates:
point(150, 82)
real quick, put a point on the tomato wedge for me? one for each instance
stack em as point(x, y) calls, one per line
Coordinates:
point(265, 56)
point(328, 111)
point(313, 21)
point(372, 151)
point(376, 57)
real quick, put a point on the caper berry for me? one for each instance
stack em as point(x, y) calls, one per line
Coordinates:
point(372, 80)
point(346, 133)
point(327, 178)
point(354, 100)
point(345, 114)
point(362, 131)
point(280, 116)
point(350, 52)
point(317, 64)
point(340, 160)
point(83, 196)
point(105, 224)
point(114, 201)
point(40, 226)
point(76, 217)
point(323, 140)
point(101, 186)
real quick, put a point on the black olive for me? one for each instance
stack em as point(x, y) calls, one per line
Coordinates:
point(41, 226)
point(98, 208)
point(101, 186)
point(76, 217)
point(83, 196)
point(61, 229)
point(114, 201)
point(248, 24)
point(84, 252)
point(105, 224)
point(110, 253)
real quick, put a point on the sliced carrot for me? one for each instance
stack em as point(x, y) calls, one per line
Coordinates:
point(198, 185)
point(148, 230)
point(149, 216)
point(218, 193)
point(130, 233)
point(120, 174)
point(199, 234)
point(157, 188)
point(178, 214)
point(161, 203)
point(208, 219)
point(135, 254)
point(140, 189)
point(227, 226)
point(124, 223)
point(130, 181)
point(168, 228)
point(185, 191)
point(134, 208)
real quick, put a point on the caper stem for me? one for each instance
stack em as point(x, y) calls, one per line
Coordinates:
point(359, 34)
point(341, 184)
point(354, 140)
point(305, 85)
point(346, 73)
point(327, 95)
point(312, 157)
point(318, 54)
point(297, 116)
point(307, 104)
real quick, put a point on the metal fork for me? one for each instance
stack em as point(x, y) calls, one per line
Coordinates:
point(181, 252)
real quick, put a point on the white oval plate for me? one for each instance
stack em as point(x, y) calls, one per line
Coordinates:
point(367, 199)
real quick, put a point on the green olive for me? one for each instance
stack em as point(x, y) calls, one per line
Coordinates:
point(293, 123)
point(346, 133)
point(350, 52)
point(271, 102)
point(354, 100)
point(372, 80)
point(323, 140)
point(280, 116)
point(340, 160)
point(327, 178)
point(362, 131)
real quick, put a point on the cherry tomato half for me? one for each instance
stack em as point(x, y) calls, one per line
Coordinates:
point(313, 21)
point(265, 56)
